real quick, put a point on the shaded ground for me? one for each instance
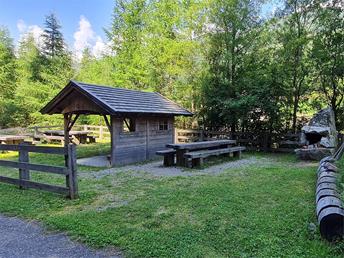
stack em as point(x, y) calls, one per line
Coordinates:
point(19, 238)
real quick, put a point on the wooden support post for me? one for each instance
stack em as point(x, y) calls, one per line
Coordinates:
point(71, 178)
point(24, 174)
point(66, 129)
point(113, 140)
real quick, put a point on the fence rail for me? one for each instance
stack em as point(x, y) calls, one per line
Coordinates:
point(252, 141)
point(25, 168)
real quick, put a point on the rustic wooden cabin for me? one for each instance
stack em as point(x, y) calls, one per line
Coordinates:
point(140, 123)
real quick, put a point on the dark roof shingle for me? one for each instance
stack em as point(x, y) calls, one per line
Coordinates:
point(119, 100)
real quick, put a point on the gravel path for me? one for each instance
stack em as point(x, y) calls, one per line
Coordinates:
point(156, 168)
point(23, 239)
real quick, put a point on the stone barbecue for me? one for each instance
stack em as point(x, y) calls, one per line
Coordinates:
point(318, 138)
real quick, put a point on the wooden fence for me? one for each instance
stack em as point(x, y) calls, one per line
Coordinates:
point(25, 168)
point(99, 131)
point(252, 141)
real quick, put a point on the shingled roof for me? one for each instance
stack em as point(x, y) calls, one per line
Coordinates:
point(112, 101)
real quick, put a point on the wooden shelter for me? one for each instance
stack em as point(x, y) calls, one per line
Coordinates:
point(140, 123)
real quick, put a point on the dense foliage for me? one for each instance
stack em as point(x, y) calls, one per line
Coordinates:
point(219, 58)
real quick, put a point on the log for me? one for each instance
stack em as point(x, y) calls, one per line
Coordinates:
point(324, 193)
point(323, 186)
point(328, 201)
point(329, 207)
point(325, 174)
point(327, 179)
point(331, 223)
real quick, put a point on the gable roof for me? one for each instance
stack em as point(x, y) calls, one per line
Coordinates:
point(114, 101)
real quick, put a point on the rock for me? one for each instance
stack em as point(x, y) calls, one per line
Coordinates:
point(313, 153)
point(319, 137)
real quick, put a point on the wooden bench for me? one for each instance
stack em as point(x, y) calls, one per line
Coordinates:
point(168, 156)
point(54, 139)
point(195, 158)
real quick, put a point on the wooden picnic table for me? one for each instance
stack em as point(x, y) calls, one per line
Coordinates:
point(183, 148)
point(12, 139)
point(81, 136)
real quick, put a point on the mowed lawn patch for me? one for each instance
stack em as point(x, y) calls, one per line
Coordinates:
point(254, 211)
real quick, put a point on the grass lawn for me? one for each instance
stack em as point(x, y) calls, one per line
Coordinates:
point(256, 211)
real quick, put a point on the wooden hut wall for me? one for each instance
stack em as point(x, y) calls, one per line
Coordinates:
point(140, 145)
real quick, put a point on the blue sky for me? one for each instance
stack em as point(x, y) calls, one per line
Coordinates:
point(83, 21)
point(19, 16)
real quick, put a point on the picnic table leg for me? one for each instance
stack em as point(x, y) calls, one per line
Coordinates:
point(83, 139)
point(237, 154)
point(169, 160)
point(181, 161)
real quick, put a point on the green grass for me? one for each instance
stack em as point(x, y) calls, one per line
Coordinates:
point(259, 211)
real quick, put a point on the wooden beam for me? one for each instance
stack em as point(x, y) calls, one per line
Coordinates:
point(31, 148)
point(113, 140)
point(72, 122)
point(107, 123)
point(35, 185)
point(35, 167)
point(67, 118)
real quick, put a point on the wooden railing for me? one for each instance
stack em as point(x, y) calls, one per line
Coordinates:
point(25, 168)
point(252, 141)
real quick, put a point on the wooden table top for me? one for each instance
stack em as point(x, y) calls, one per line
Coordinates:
point(12, 137)
point(200, 145)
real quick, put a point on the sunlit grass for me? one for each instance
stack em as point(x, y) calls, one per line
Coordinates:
point(259, 211)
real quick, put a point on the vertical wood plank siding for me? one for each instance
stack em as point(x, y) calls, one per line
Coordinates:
point(141, 145)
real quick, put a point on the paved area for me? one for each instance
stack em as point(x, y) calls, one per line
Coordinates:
point(96, 161)
point(24, 239)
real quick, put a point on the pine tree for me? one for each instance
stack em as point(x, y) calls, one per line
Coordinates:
point(53, 42)
point(7, 64)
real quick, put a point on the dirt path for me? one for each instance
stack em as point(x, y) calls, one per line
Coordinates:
point(156, 168)
point(23, 239)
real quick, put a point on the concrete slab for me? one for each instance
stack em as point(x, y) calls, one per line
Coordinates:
point(96, 161)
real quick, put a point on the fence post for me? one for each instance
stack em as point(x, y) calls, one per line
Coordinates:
point(71, 178)
point(85, 128)
point(201, 134)
point(35, 132)
point(24, 174)
point(101, 132)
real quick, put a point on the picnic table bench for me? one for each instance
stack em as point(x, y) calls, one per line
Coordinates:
point(168, 156)
point(195, 158)
point(194, 153)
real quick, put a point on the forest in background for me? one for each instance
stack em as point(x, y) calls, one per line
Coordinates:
point(219, 58)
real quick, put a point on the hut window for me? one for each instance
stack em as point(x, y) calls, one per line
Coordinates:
point(129, 125)
point(163, 125)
